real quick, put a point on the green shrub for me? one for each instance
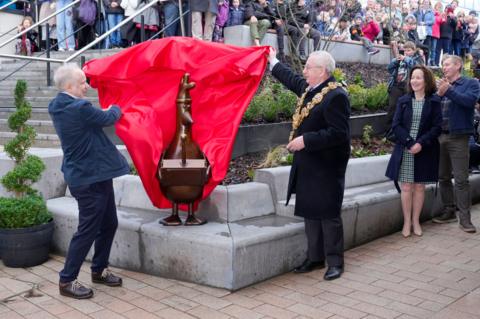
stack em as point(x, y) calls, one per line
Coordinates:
point(23, 212)
point(279, 156)
point(339, 75)
point(377, 97)
point(27, 208)
point(358, 96)
point(270, 103)
point(358, 80)
point(287, 101)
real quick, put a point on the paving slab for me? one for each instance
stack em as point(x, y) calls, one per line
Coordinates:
point(374, 286)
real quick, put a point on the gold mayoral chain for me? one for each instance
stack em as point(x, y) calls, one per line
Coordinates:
point(302, 113)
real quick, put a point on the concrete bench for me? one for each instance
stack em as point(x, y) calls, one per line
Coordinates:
point(251, 235)
point(371, 206)
point(348, 51)
point(244, 241)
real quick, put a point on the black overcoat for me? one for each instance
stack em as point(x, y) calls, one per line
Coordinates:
point(317, 176)
point(426, 161)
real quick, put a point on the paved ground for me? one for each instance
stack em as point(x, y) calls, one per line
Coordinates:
point(434, 276)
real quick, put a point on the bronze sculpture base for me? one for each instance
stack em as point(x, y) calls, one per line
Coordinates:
point(172, 220)
point(194, 221)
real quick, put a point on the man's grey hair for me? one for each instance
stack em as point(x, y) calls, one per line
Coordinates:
point(454, 58)
point(325, 59)
point(65, 75)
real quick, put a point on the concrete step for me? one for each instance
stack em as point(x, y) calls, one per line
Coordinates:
point(49, 92)
point(42, 140)
point(42, 127)
point(224, 255)
point(37, 102)
point(89, 54)
point(40, 114)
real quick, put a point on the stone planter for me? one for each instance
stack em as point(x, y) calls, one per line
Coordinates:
point(26, 247)
point(253, 138)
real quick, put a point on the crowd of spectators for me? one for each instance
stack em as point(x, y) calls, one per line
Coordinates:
point(431, 26)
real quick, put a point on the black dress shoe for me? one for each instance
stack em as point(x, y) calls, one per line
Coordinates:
point(333, 272)
point(106, 278)
point(74, 289)
point(308, 266)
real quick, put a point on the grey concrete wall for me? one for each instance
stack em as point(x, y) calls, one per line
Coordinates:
point(351, 51)
point(51, 184)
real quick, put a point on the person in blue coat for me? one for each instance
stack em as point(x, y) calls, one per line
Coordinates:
point(90, 161)
point(415, 158)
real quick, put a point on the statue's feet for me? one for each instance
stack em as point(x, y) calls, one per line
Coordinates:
point(172, 220)
point(194, 221)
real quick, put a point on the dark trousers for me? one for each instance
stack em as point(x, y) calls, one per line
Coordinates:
point(97, 223)
point(325, 240)
point(454, 160)
point(444, 44)
point(280, 37)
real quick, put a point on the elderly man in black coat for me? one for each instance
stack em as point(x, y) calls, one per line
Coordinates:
point(320, 140)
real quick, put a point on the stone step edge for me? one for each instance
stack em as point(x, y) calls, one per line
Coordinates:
point(40, 136)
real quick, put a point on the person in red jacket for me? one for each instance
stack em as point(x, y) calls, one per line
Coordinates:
point(357, 33)
point(370, 29)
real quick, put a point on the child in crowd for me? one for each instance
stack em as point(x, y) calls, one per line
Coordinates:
point(236, 14)
point(357, 34)
point(323, 24)
point(221, 20)
point(27, 43)
point(342, 32)
point(399, 69)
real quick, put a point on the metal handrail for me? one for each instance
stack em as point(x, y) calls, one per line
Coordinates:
point(9, 32)
point(8, 4)
point(38, 23)
point(106, 34)
point(88, 46)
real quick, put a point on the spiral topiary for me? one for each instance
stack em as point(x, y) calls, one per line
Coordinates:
point(27, 208)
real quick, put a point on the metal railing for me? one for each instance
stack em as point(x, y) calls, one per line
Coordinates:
point(99, 39)
point(8, 4)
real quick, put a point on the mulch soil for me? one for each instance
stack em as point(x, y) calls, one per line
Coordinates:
point(242, 168)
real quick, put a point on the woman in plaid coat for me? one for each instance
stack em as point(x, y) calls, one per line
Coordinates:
point(414, 162)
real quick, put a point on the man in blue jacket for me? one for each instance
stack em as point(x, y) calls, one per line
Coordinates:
point(90, 161)
point(459, 96)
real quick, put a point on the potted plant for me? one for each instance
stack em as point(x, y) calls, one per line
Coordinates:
point(26, 226)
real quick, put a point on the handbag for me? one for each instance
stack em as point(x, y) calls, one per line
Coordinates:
point(422, 32)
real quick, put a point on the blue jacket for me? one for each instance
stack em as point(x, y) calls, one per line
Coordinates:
point(409, 63)
point(236, 16)
point(464, 93)
point(88, 155)
point(429, 21)
point(427, 160)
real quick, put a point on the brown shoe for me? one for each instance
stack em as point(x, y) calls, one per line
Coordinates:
point(106, 278)
point(74, 289)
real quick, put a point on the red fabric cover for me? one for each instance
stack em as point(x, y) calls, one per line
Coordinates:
point(144, 80)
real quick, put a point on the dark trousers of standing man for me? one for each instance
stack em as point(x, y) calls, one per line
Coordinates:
point(454, 157)
point(97, 223)
point(325, 240)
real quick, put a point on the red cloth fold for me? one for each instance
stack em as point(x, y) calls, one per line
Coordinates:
point(144, 81)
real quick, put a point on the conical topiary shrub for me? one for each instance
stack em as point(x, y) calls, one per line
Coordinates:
point(25, 208)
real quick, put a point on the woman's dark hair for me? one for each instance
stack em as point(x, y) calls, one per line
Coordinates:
point(430, 85)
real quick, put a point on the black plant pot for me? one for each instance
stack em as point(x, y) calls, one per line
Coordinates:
point(26, 247)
